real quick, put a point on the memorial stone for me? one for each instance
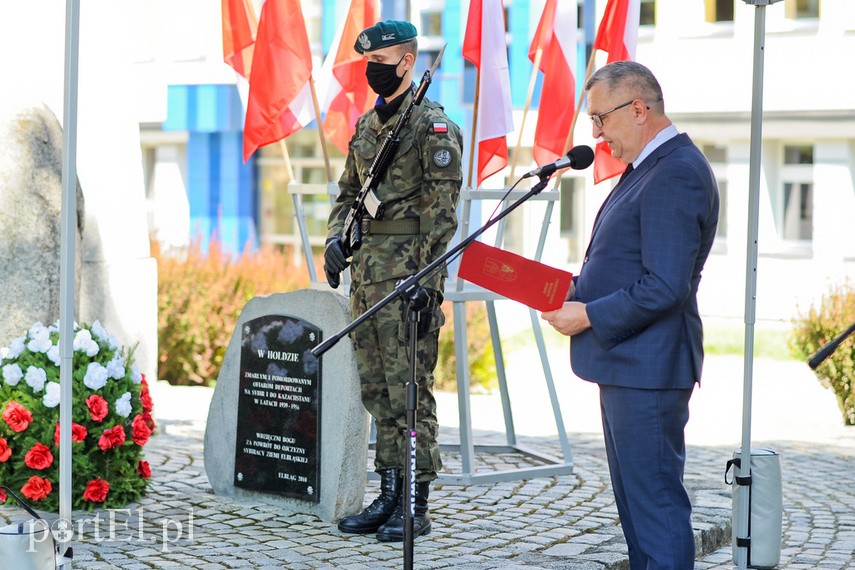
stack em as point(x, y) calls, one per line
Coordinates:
point(283, 426)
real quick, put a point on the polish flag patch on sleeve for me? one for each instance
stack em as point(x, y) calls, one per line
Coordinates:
point(440, 127)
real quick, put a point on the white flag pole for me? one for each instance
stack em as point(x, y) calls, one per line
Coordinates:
point(68, 238)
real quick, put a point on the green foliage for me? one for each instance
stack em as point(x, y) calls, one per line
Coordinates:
point(817, 328)
point(482, 364)
point(200, 297)
point(111, 420)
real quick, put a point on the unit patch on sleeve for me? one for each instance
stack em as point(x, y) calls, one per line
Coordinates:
point(442, 158)
point(440, 127)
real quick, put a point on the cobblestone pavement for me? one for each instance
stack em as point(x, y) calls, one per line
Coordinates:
point(568, 522)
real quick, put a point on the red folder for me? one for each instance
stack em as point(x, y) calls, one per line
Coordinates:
point(532, 283)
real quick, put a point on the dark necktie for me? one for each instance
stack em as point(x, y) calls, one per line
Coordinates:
point(626, 172)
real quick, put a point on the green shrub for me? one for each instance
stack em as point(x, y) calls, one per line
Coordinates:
point(200, 297)
point(482, 364)
point(819, 326)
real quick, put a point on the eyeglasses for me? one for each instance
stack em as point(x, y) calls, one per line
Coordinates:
point(598, 119)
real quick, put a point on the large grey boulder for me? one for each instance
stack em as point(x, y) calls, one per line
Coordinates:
point(343, 424)
point(30, 206)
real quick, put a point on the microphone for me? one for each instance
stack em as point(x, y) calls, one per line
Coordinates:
point(578, 158)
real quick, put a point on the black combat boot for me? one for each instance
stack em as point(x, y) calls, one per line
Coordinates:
point(393, 530)
point(379, 511)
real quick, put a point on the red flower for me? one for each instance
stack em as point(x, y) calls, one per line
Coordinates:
point(2, 496)
point(149, 421)
point(98, 407)
point(144, 469)
point(17, 416)
point(78, 433)
point(113, 437)
point(141, 432)
point(96, 491)
point(145, 400)
point(36, 488)
point(38, 457)
point(5, 450)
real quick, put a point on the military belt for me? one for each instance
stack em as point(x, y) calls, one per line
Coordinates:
point(405, 227)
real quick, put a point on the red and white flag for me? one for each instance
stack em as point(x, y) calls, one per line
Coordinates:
point(556, 38)
point(618, 31)
point(484, 46)
point(239, 29)
point(280, 100)
point(343, 80)
point(618, 36)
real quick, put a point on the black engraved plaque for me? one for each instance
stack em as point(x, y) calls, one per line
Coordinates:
point(279, 408)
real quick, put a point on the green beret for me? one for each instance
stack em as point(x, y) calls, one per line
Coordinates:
point(384, 34)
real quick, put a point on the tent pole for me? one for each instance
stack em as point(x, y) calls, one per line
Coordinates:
point(68, 239)
point(751, 273)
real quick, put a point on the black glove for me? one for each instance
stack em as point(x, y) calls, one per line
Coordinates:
point(334, 261)
point(422, 300)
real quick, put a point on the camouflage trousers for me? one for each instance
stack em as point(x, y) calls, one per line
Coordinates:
point(382, 360)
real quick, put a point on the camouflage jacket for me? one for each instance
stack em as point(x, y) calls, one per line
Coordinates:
point(422, 182)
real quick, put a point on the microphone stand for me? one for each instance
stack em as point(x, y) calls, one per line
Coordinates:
point(826, 351)
point(406, 289)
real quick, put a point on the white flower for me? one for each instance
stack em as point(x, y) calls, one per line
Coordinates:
point(12, 374)
point(41, 341)
point(35, 378)
point(136, 375)
point(51, 397)
point(116, 367)
point(123, 405)
point(16, 347)
point(83, 342)
point(53, 354)
point(96, 376)
point(98, 330)
point(37, 326)
point(4, 350)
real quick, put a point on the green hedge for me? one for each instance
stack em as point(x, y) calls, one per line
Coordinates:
point(819, 326)
point(200, 297)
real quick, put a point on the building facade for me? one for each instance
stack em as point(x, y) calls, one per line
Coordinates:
point(702, 52)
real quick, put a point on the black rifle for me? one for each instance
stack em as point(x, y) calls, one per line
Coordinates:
point(366, 202)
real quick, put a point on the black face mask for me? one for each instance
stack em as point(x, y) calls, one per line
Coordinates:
point(383, 77)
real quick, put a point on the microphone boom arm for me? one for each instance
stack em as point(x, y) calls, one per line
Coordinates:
point(406, 285)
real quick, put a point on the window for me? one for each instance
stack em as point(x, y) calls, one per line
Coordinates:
point(648, 13)
point(798, 9)
point(795, 208)
point(717, 155)
point(719, 10)
point(431, 24)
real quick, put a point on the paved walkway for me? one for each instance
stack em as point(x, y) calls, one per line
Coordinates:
point(567, 522)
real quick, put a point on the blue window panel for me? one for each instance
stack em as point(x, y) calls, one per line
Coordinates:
point(518, 63)
point(237, 211)
point(199, 188)
point(450, 73)
point(203, 108)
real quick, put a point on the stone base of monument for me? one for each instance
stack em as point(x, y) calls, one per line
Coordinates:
point(286, 427)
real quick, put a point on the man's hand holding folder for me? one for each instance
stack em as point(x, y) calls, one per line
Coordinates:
point(534, 284)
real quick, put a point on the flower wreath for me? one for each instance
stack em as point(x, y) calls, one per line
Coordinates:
point(111, 419)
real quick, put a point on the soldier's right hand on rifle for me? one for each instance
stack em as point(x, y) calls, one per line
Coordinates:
point(334, 261)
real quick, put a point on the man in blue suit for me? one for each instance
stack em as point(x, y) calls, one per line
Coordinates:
point(633, 314)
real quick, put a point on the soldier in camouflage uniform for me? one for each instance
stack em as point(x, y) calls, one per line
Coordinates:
point(420, 191)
